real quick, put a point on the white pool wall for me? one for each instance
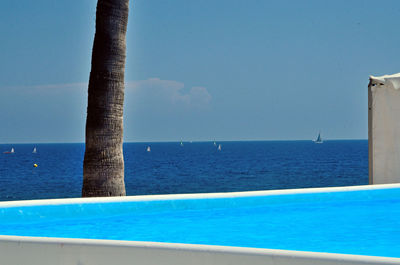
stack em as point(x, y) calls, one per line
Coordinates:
point(62, 251)
point(57, 251)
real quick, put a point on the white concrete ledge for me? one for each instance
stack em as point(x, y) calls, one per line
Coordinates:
point(63, 251)
point(5, 204)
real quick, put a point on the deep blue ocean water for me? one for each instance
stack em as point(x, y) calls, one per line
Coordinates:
point(192, 168)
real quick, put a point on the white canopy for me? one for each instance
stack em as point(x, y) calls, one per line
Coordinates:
point(389, 81)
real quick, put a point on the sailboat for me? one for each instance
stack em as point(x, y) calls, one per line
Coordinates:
point(34, 150)
point(181, 143)
point(10, 152)
point(219, 147)
point(215, 144)
point(148, 149)
point(319, 139)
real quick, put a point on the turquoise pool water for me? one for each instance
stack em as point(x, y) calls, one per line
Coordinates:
point(353, 222)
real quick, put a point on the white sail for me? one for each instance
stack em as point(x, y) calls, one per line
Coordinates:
point(215, 144)
point(34, 150)
point(219, 147)
point(181, 143)
point(148, 149)
point(9, 152)
point(319, 139)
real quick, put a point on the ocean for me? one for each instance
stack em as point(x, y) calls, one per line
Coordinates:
point(192, 168)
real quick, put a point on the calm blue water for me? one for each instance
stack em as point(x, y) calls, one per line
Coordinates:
point(195, 167)
point(357, 222)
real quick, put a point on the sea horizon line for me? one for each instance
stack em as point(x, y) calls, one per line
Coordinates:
point(197, 141)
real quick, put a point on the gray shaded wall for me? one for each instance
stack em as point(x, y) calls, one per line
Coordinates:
point(384, 129)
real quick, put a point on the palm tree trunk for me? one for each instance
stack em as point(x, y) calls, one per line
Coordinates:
point(103, 166)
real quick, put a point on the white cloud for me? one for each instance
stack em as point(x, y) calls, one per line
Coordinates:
point(49, 89)
point(169, 92)
point(61, 86)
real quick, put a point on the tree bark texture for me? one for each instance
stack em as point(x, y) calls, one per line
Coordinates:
point(103, 166)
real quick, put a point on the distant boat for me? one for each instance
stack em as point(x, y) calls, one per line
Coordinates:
point(215, 144)
point(219, 147)
point(181, 143)
point(148, 149)
point(34, 150)
point(9, 152)
point(319, 139)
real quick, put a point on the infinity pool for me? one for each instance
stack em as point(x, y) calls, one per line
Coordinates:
point(363, 222)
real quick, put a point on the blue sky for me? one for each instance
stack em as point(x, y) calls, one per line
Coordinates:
point(200, 70)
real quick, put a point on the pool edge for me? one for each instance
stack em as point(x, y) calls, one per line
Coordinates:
point(76, 251)
point(194, 195)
